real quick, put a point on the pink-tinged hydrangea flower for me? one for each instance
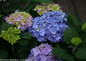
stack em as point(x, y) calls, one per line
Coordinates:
point(22, 20)
point(50, 26)
point(42, 53)
point(41, 9)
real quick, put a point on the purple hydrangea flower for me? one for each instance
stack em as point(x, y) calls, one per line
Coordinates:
point(43, 8)
point(42, 53)
point(50, 25)
point(22, 20)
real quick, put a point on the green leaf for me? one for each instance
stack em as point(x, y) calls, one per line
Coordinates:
point(26, 35)
point(5, 26)
point(43, 1)
point(69, 34)
point(23, 51)
point(71, 46)
point(83, 45)
point(62, 53)
point(23, 42)
point(73, 22)
point(83, 36)
point(24, 54)
point(3, 54)
point(0, 30)
point(0, 16)
point(31, 7)
point(81, 53)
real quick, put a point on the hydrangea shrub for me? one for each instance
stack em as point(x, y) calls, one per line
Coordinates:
point(51, 25)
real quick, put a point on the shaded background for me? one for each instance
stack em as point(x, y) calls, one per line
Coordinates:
point(73, 7)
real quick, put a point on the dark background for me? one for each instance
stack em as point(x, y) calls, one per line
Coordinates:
point(73, 7)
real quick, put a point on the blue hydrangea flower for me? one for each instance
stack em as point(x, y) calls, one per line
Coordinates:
point(50, 25)
point(42, 53)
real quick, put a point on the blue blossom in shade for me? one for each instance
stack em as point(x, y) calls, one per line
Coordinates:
point(50, 25)
point(42, 53)
point(22, 20)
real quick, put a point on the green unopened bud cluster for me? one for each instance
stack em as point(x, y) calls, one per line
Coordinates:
point(41, 9)
point(84, 26)
point(11, 35)
point(76, 40)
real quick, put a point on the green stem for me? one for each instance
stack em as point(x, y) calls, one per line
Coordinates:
point(13, 50)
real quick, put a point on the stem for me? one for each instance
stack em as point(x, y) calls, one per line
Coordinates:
point(13, 50)
point(74, 49)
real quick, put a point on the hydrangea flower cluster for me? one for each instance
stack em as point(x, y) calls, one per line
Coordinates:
point(41, 9)
point(41, 53)
point(50, 25)
point(11, 35)
point(22, 20)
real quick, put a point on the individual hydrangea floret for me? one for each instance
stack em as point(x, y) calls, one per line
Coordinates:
point(76, 40)
point(41, 9)
point(41, 53)
point(22, 20)
point(11, 35)
point(50, 25)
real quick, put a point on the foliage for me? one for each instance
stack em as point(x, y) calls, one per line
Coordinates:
point(5, 26)
point(73, 22)
point(3, 54)
point(81, 53)
point(63, 54)
point(69, 34)
point(26, 35)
